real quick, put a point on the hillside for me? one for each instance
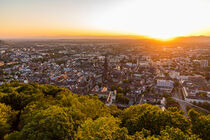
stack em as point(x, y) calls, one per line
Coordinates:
point(37, 112)
point(193, 39)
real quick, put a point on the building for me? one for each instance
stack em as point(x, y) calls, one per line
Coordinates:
point(189, 97)
point(165, 85)
point(105, 75)
point(204, 63)
point(1, 63)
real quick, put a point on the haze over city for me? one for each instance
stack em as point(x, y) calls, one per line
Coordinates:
point(160, 19)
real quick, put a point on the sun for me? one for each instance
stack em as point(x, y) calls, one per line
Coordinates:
point(163, 36)
point(160, 19)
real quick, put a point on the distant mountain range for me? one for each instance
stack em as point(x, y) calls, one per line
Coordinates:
point(194, 39)
point(126, 37)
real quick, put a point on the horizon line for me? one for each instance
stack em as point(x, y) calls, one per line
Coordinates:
point(95, 37)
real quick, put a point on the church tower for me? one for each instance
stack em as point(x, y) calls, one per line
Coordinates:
point(106, 70)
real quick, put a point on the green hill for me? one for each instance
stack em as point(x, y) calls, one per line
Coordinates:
point(46, 112)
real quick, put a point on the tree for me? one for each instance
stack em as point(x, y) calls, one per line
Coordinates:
point(119, 90)
point(126, 81)
point(152, 118)
point(18, 100)
point(7, 116)
point(51, 90)
point(102, 128)
point(122, 99)
point(92, 107)
point(142, 134)
point(170, 102)
point(113, 87)
point(203, 105)
point(33, 111)
point(115, 111)
point(200, 124)
point(51, 123)
point(176, 134)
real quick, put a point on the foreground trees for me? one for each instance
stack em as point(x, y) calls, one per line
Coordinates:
point(7, 116)
point(51, 123)
point(36, 112)
point(200, 124)
point(102, 128)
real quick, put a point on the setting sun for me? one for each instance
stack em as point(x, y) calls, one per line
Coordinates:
point(160, 19)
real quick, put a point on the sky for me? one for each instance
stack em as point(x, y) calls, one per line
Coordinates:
point(161, 19)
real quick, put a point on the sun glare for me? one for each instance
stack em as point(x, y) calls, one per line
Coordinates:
point(161, 19)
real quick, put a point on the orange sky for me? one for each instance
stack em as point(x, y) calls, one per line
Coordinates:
point(161, 19)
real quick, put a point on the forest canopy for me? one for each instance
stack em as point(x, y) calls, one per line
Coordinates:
point(37, 112)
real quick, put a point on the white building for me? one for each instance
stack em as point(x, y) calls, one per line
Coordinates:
point(189, 97)
point(204, 63)
point(165, 85)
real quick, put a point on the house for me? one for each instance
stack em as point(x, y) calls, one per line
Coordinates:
point(1, 63)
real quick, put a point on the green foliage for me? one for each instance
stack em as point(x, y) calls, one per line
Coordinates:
point(176, 134)
point(202, 94)
point(51, 90)
point(152, 118)
point(126, 81)
point(120, 89)
point(171, 103)
point(115, 111)
point(12, 136)
point(203, 105)
point(142, 134)
point(90, 107)
point(51, 123)
point(121, 99)
point(7, 116)
point(101, 128)
point(36, 112)
point(18, 95)
point(200, 124)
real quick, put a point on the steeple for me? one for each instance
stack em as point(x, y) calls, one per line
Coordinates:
point(106, 69)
